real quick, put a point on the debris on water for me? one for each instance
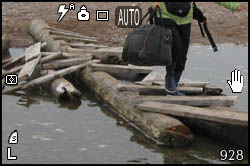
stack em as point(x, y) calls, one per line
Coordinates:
point(41, 138)
point(102, 146)
point(60, 130)
point(82, 149)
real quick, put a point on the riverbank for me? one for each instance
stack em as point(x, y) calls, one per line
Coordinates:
point(225, 26)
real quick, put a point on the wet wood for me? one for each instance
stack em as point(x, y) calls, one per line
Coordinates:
point(74, 55)
point(199, 101)
point(212, 90)
point(62, 89)
point(223, 116)
point(48, 77)
point(161, 128)
point(123, 72)
point(15, 70)
point(61, 63)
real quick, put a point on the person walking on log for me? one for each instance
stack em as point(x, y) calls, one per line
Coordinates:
point(178, 16)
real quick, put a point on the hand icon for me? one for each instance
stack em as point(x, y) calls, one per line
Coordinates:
point(237, 81)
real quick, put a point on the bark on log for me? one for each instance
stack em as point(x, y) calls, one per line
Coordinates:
point(161, 128)
point(63, 90)
point(39, 30)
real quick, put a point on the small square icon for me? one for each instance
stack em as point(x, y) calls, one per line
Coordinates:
point(98, 12)
point(11, 79)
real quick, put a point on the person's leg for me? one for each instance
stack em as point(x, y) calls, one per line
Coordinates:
point(184, 31)
point(170, 83)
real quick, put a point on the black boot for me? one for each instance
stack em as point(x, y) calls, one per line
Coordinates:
point(177, 79)
point(170, 82)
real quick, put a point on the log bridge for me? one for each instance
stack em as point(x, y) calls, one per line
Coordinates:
point(133, 92)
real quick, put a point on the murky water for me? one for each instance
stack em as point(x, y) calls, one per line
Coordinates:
point(51, 133)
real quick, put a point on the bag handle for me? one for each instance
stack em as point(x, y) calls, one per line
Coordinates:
point(152, 12)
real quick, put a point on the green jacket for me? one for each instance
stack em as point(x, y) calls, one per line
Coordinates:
point(188, 19)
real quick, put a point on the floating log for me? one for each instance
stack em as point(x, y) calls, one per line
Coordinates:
point(43, 60)
point(49, 77)
point(161, 128)
point(223, 116)
point(63, 90)
point(200, 101)
point(123, 72)
point(65, 63)
point(5, 46)
point(212, 90)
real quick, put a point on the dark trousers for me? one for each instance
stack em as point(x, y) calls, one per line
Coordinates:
point(180, 40)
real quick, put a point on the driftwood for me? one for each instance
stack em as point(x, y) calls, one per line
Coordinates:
point(28, 69)
point(43, 60)
point(49, 77)
point(5, 46)
point(157, 90)
point(223, 116)
point(83, 45)
point(71, 39)
point(21, 58)
point(39, 30)
point(61, 63)
point(212, 90)
point(63, 90)
point(123, 72)
point(71, 55)
point(161, 128)
point(200, 101)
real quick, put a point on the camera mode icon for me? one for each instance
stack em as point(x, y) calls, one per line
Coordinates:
point(11, 79)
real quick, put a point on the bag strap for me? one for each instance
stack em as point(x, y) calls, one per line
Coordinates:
point(152, 12)
point(204, 23)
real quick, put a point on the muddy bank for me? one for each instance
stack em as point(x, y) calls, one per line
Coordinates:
point(225, 26)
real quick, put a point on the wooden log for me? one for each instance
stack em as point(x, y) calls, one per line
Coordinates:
point(234, 135)
point(223, 116)
point(212, 90)
point(83, 45)
point(33, 51)
point(71, 39)
point(200, 101)
point(71, 34)
point(157, 90)
point(39, 30)
point(61, 63)
point(58, 31)
point(161, 128)
point(43, 60)
point(123, 72)
point(28, 69)
point(21, 58)
point(47, 78)
point(63, 90)
point(72, 55)
point(184, 83)
point(5, 46)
